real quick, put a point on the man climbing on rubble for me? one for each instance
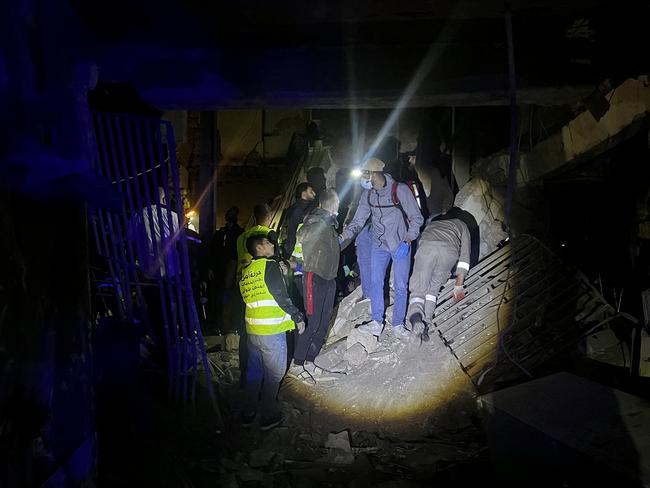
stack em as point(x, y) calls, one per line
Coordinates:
point(269, 314)
point(321, 253)
point(395, 223)
point(445, 244)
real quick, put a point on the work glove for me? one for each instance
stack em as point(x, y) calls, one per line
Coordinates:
point(402, 251)
point(459, 293)
point(301, 327)
point(340, 239)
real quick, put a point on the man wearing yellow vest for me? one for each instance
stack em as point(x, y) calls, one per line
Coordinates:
point(269, 315)
point(262, 217)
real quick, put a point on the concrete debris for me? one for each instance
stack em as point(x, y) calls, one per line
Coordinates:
point(348, 313)
point(331, 355)
point(356, 355)
point(225, 367)
point(383, 355)
point(340, 451)
point(366, 339)
point(232, 342)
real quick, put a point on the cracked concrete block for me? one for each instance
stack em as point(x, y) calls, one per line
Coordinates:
point(356, 355)
point(340, 451)
point(366, 339)
point(330, 356)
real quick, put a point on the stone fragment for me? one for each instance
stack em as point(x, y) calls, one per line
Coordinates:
point(356, 355)
point(331, 355)
point(340, 451)
point(232, 342)
point(366, 339)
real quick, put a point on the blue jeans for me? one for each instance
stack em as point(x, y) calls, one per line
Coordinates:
point(267, 363)
point(380, 258)
point(363, 243)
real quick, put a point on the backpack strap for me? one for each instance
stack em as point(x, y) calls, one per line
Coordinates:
point(396, 203)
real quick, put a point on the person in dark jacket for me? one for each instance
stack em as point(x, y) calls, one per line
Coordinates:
point(269, 315)
point(222, 266)
point(305, 196)
point(321, 254)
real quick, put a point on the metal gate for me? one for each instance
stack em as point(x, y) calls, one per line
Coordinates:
point(524, 306)
point(144, 244)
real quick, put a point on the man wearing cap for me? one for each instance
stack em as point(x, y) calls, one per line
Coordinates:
point(395, 223)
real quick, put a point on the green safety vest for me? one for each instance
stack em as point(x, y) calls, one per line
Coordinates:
point(297, 249)
point(263, 314)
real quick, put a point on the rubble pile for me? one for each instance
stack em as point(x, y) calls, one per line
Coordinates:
point(296, 454)
point(223, 356)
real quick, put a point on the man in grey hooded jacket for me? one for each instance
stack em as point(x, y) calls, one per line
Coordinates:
point(395, 224)
point(321, 253)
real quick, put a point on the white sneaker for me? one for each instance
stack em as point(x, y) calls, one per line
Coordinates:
point(401, 332)
point(373, 327)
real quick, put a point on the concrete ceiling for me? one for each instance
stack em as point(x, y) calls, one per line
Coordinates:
point(200, 54)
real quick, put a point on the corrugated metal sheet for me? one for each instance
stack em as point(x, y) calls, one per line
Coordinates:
point(523, 307)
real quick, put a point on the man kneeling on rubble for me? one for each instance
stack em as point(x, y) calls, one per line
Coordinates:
point(321, 253)
point(444, 244)
point(269, 315)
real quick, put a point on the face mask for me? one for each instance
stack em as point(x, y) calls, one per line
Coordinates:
point(366, 184)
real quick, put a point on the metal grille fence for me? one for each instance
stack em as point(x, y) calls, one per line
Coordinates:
point(145, 246)
point(524, 306)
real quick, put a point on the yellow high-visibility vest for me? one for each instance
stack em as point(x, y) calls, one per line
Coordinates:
point(297, 250)
point(263, 315)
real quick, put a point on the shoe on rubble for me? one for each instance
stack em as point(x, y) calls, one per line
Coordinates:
point(401, 332)
point(273, 421)
point(373, 327)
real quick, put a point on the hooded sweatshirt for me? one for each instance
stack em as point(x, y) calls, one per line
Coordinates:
point(388, 228)
point(320, 246)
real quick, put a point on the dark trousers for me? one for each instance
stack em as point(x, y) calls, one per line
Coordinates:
point(319, 301)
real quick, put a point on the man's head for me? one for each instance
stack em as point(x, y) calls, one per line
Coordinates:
point(232, 214)
point(329, 201)
point(304, 191)
point(262, 214)
point(373, 171)
point(259, 246)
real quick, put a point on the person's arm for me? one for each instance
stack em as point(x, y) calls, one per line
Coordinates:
point(275, 283)
point(360, 218)
point(462, 268)
point(413, 212)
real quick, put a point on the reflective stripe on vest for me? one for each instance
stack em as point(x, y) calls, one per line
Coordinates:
point(263, 314)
